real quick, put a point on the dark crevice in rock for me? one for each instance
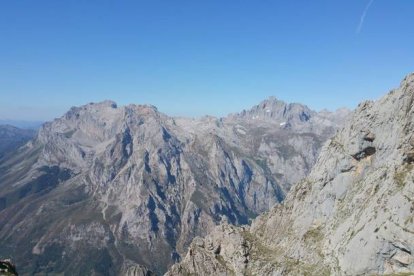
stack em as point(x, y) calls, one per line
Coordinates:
point(402, 248)
point(7, 268)
point(152, 215)
point(369, 137)
point(304, 117)
point(347, 169)
point(165, 135)
point(217, 250)
point(127, 147)
point(232, 213)
point(175, 257)
point(368, 151)
point(146, 162)
point(409, 157)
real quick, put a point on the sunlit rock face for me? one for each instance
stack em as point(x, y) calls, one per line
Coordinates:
point(108, 190)
point(353, 214)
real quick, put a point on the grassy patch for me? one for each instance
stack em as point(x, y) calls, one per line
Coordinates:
point(313, 235)
point(401, 175)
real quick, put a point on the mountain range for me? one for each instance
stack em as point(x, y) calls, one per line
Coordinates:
point(352, 215)
point(109, 190)
point(275, 190)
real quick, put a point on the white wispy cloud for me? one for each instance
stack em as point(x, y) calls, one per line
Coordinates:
point(364, 14)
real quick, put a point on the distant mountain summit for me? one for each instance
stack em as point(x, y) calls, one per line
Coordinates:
point(292, 115)
point(352, 215)
point(107, 189)
point(274, 109)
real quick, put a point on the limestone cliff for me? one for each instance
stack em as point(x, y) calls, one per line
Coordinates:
point(353, 215)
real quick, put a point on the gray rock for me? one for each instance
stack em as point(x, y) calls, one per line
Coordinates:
point(137, 270)
point(105, 186)
point(353, 215)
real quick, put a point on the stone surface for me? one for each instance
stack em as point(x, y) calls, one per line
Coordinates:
point(353, 215)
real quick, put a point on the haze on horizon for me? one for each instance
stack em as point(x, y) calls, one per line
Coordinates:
point(196, 58)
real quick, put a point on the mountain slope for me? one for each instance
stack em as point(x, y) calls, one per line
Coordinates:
point(12, 137)
point(353, 215)
point(104, 188)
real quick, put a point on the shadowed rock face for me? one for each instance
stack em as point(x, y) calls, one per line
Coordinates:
point(12, 137)
point(7, 268)
point(353, 214)
point(108, 190)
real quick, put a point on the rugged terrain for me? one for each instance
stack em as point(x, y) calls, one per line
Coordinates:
point(106, 190)
point(12, 138)
point(353, 215)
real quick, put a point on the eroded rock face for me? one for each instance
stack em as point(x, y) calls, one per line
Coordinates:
point(113, 189)
point(137, 270)
point(353, 215)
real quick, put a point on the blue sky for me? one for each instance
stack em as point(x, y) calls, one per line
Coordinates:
point(200, 57)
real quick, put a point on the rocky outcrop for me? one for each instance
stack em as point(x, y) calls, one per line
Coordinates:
point(353, 215)
point(108, 189)
point(7, 268)
point(137, 270)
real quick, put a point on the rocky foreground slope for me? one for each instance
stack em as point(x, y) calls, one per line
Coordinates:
point(353, 215)
point(106, 190)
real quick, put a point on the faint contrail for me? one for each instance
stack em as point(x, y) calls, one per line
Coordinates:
point(361, 21)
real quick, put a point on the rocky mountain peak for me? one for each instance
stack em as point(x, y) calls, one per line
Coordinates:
point(351, 216)
point(126, 186)
point(272, 103)
point(408, 79)
point(105, 103)
point(278, 111)
point(293, 116)
point(84, 132)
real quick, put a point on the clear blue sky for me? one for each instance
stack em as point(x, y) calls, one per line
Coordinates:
point(199, 57)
